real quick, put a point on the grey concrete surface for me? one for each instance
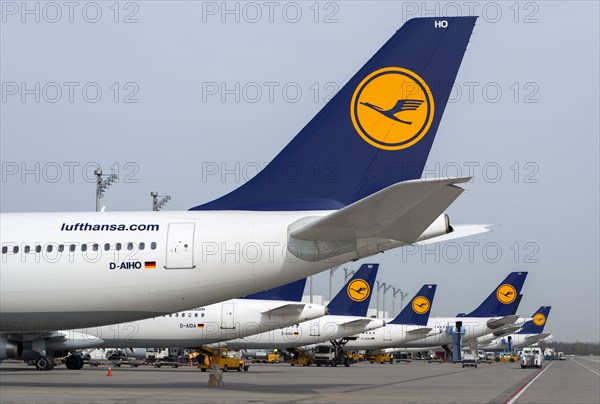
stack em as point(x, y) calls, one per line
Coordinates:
point(417, 382)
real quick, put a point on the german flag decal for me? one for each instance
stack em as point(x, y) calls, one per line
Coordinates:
point(200, 326)
point(149, 264)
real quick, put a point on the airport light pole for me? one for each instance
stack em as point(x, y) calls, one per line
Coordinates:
point(379, 286)
point(102, 185)
point(159, 204)
point(402, 296)
point(385, 289)
point(395, 292)
point(348, 274)
point(331, 272)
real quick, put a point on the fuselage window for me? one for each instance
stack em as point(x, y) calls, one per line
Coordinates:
point(4, 250)
point(202, 315)
point(84, 247)
point(49, 248)
point(142, 245)
point(153, 245)
point(72, 247)
point(95, 246)
point(106, 247)
point(130, 246)
point(38, 248)
point(195, 314)
point(27, 249)
point(176, 314)
point(15, 249)
point(61, 248)
point(118, 246)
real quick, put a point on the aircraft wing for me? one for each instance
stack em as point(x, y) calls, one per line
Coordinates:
point(400, 212)
point(460, 230)
point(496, 323)
point(285, 310)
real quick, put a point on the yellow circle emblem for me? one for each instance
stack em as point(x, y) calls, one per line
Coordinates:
point(420, 305)
point(539, 319)
point(506, 293)
point(358, 290)
point(392, 108)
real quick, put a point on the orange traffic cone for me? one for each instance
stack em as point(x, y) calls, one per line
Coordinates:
point(109, 371)
point(191, 364)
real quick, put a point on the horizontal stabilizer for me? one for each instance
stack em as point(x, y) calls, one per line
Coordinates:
point(359, 322)
point(537, 337)
point(502, 321)
point(400, 212)
point(284, 310)
point(419, 332)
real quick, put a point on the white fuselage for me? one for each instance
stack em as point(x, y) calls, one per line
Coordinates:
point(76, 270)
point(439, 336)
point(326, 328)
point(390, 336)
point(518, 341)
point(235, 318)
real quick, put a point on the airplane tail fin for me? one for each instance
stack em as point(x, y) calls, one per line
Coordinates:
point(291, 292)
point(501, 302)
point(418, 309)
point(354, 298)
point(537, 323)
point(377, 130)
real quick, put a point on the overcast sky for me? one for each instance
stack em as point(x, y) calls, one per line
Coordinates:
point(173, 94)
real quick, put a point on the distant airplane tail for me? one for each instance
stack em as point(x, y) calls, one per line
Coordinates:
point(377, 130)
point(291, 292)
point(537, 323)
point(354, 298)
point(418, 309)
point(502, 301)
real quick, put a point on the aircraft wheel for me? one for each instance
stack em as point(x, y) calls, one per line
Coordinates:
point(240, 368)
point(225, 368)
point(45, 363)
point(74, 362)
point(202, 370)
point(512, 360)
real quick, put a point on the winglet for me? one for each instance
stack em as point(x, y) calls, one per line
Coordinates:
point(354, 298)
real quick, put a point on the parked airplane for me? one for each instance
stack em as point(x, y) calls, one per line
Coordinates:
point(235, 318)
point(409, 325)
point(495, 313)
point(531, 333)
point(76, 270)
point(346, 317)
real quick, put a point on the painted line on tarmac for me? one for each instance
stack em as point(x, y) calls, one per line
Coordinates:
point(519, 392)
point(591, 370)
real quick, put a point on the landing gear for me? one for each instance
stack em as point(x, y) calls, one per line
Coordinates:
point(45, 363)
point(74, 362)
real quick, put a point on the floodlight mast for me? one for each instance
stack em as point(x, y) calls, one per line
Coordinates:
point(102, 185)
point(159, 204)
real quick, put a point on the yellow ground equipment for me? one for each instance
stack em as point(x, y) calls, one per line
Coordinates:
point(272, 357)
point(507, 358)
point(301, 358)
point(212, 356)
point(379, 357)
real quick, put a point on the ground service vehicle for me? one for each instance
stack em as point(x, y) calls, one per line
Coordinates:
point(531, 357)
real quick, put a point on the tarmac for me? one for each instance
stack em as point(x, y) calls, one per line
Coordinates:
point(576, 380)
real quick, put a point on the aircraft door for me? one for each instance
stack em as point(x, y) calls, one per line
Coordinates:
point(387, 333)
point(180, 246)
point(227, 320)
